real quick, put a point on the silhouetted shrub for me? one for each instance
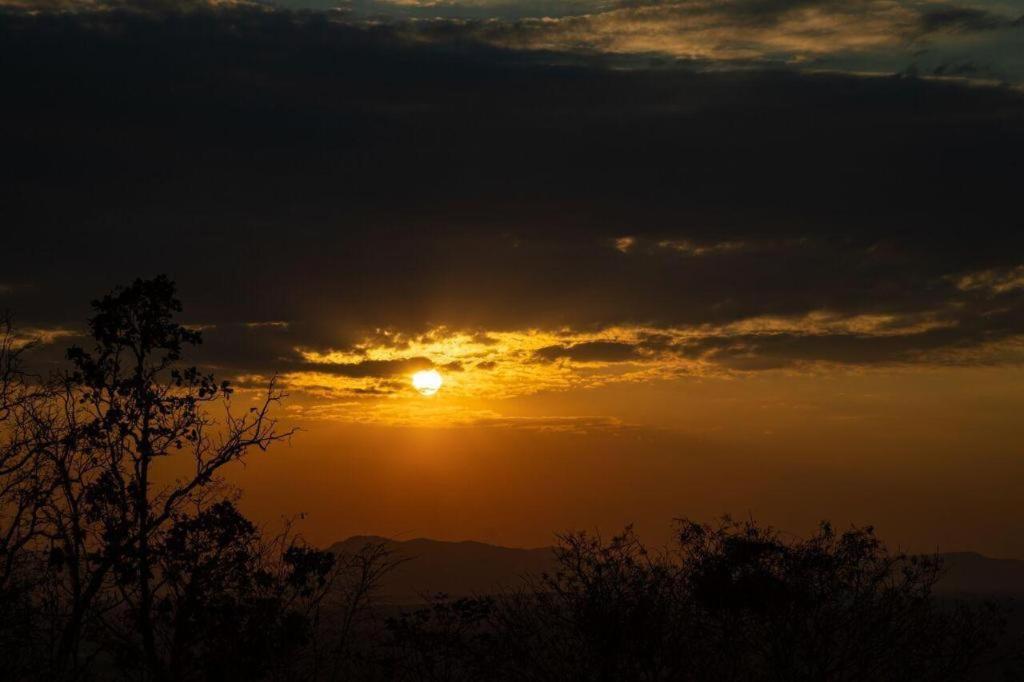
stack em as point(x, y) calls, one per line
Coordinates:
point(732, 602)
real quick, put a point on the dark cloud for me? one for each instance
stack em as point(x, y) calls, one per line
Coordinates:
point(483, 338)
point(464, 10)
point(371, 391)
point(590, 351)
point(967, 69)
point(283, 167)
point(960, 19)
point(756, 12)
point(367, 368)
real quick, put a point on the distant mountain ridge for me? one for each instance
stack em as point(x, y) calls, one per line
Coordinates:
point(470, 567)
point(454, 568)
point(973, 573)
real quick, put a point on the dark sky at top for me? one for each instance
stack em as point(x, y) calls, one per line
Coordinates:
point(281, 167)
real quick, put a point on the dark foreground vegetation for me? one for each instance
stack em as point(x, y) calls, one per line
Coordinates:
point(109, 571)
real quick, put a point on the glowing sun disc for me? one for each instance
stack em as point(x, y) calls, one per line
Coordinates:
point(427, 382)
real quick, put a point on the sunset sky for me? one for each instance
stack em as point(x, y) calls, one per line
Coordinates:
point(670, 257)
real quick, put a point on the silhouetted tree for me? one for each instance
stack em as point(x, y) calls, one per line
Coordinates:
point(127, 404)
point(347, 624)
point(108, 570)
point(24, 487)
point(232, 607)
point(836, 606)
point(453, 640)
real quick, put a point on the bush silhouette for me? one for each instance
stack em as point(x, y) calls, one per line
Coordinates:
point(731, 602)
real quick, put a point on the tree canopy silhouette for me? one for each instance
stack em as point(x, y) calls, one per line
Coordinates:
point(121, 567)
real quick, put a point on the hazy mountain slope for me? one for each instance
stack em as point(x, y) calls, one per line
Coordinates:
point(973, 573)
point(462, 568)
point(455, 568)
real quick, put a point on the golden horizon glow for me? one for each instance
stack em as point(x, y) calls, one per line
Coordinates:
point(427, 382)
point(487, 372)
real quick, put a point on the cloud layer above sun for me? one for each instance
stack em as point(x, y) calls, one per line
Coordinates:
point(529, 205)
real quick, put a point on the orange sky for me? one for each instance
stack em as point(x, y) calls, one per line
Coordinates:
point(930, 456)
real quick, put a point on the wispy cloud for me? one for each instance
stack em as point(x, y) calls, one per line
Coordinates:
point(882, 36)
point(39, 336)
point(269, 324)
point(996, 281)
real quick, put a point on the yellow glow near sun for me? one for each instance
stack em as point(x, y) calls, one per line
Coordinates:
point(427, 382)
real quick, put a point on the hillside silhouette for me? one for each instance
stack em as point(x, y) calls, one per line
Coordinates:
point(469, 567)
point(454, 568)
point(973, 573)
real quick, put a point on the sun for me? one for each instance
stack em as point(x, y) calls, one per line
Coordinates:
point(427, 382)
